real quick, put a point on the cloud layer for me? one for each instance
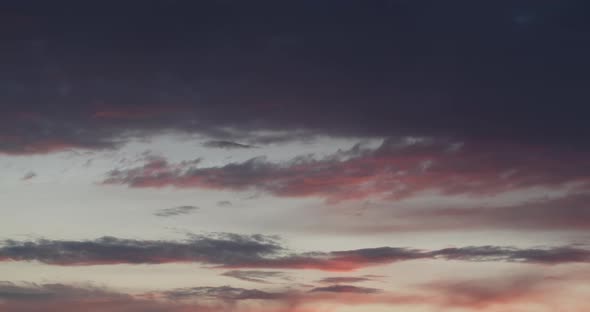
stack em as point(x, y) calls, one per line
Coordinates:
point(232, 83)
point(176, 211)
point(237, 251)
point(397, 169)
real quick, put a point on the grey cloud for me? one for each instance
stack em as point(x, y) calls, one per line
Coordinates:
point(29, 176)
point(344, 279)
point(227, 145)
point(568, 212)
point(255, 276)
point(223, 292)
point(399, 168)
point(33, 291)
point(346, 289)
point(219, 249)
point(30, 297)
point(176, 211)
point(555, 255)
point(258, 252)
point(96, 100)
point(224, 203)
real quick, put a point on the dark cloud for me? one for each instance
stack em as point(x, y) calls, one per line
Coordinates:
point(397, 169)
point(29, 176)
point(29, 297)
point(354, 69)
point(225, 293)
point(553, 255)
point(224, 203)
point(256, 276)
point(226, 145)
point(176, 211)
point(26, 297)
point(223, 249)
point(502, 291)
point(344, 280)
point(232, 251)
point(346, 289)
point(341, 261)
point(31, 291)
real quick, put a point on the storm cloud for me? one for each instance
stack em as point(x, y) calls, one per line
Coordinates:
point(367, 77)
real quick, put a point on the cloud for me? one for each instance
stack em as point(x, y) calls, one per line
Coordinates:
point(223, 249)
point(536, 291)
point(344, 279)
point(568, 212)
point(30, 175)
point(479, 294)
point(233, 251)
point(226, 145)
point(346, 289)
point(30, 297)
point(225, 293)
point(176, 211)
point(555, 255)
point(397, 169)
point(31, 291)
point(255, 276)
point(224, 203)
point(99, 100)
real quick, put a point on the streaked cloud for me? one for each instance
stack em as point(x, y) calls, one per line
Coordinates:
point(346, 289)
point(176, 211)
point(227, 145)
point(261, 252)
point(397, 169)
point(256, 276)
point(344, 280)
point(28, 176)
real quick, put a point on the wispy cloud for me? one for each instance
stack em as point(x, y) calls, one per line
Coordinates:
point(28, 176)
point(176, 211)
point(397, 169)
point(256, 276)
point(223, 249)
point(497, 293)
point(346, 289)
point(344, 279)
point(227, 145)
point(261, 252)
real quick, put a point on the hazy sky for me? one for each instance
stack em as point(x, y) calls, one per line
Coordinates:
point(294, 156)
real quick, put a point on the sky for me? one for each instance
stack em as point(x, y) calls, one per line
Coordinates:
point(294, 156)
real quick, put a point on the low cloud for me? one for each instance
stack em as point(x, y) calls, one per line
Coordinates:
point(233, 251)
point(569, 212)
point(344, 280)
point(221, 249)
point(227, 145)
point(256, 276)
point(225, 293)
point(29, 176)
point(176, 211)
point(224, 203)
point(397, 169)
point(497, 293)
point(346, 289)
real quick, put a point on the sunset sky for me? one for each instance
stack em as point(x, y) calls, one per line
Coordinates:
point(295, 156)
